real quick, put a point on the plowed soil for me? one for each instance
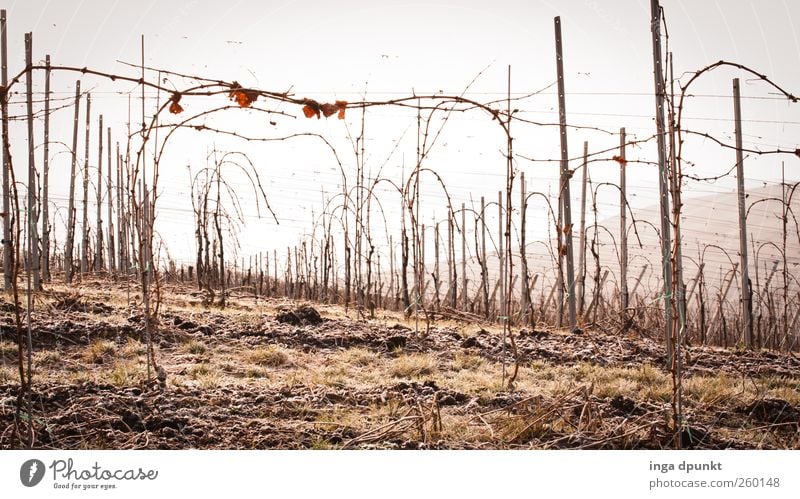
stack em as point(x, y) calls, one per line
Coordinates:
point(264, 374)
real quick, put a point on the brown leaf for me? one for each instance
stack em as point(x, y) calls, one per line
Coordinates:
point(174, 106)
point(311, 108)
point(243, 97)
point(328, 109)
point(341, 105)
point(620, 160)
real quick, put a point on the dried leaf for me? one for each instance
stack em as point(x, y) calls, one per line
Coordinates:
point(311, 108)
point(620, 160)
point(174, 106)
point(328, 109)
point(341, 105)
point(243, 97)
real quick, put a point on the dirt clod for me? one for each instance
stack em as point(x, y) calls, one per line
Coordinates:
point(304, 315)
point(772, 411)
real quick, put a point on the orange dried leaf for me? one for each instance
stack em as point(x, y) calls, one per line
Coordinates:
point(341, 105)
point(174, 106)
point(328, 109)
point(241, 98)
point(620, 160)
point(311, 108)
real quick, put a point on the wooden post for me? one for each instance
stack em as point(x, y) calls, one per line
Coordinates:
point(8, 247)
point(121, 266)
point(99, 248)
point(112, 265)
point(68, 258)
point(746, 293)
point(638, 280)
point(464, 297)
point(580, 285)
point(623, 227)
point(451, 263)
point(523, 255)
point(564, 192)
point(423, 278)
point(392, 294)
point(85, 219)
point(484, 267)
point(663, 190)
point(500, 253)
point(436, 277)
point(724, 294)
point(45, 261)
point(696, 279)
point(33, 239)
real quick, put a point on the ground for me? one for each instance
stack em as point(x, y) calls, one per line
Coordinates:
point(267, 374)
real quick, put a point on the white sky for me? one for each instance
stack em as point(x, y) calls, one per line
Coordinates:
point(336, 50)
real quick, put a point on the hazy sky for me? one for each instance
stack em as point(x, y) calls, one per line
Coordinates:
point(348, 49)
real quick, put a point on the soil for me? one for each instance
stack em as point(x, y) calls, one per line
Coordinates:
point(77, 402)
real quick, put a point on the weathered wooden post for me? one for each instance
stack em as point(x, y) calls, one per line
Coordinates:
point(746, 293)
point(564, 192)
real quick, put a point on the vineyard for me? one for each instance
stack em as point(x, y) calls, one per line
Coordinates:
point(407, 310)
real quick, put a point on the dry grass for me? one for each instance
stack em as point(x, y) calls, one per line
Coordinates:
point(125, 373)
point(100, 351)
point(413, 365)
point(206, 376)
point(133, 348)
point(8, 375)
point(48, 358)
point(373, 375)
point(357, 356)
point(195, 347)
point(270, 356)
point(466, 361)
point(8, 350)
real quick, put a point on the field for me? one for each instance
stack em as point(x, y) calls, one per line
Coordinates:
point(271, 374)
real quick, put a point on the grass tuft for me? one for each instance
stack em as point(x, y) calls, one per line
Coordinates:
point(270, 356)
point(413, 366)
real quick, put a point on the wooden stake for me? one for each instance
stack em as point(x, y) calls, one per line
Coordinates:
point(68, 258)
point(523, 256)
point(623, 227)
point(99, 248)
point(85, 219)
point(45, 265)
point(7, 244)
point(580, 285)
point(746, 293)
point(112, 265)
point(663, 190)
point(33, 239)
point(564, 192)
point(464, 297)
point(501, 254)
